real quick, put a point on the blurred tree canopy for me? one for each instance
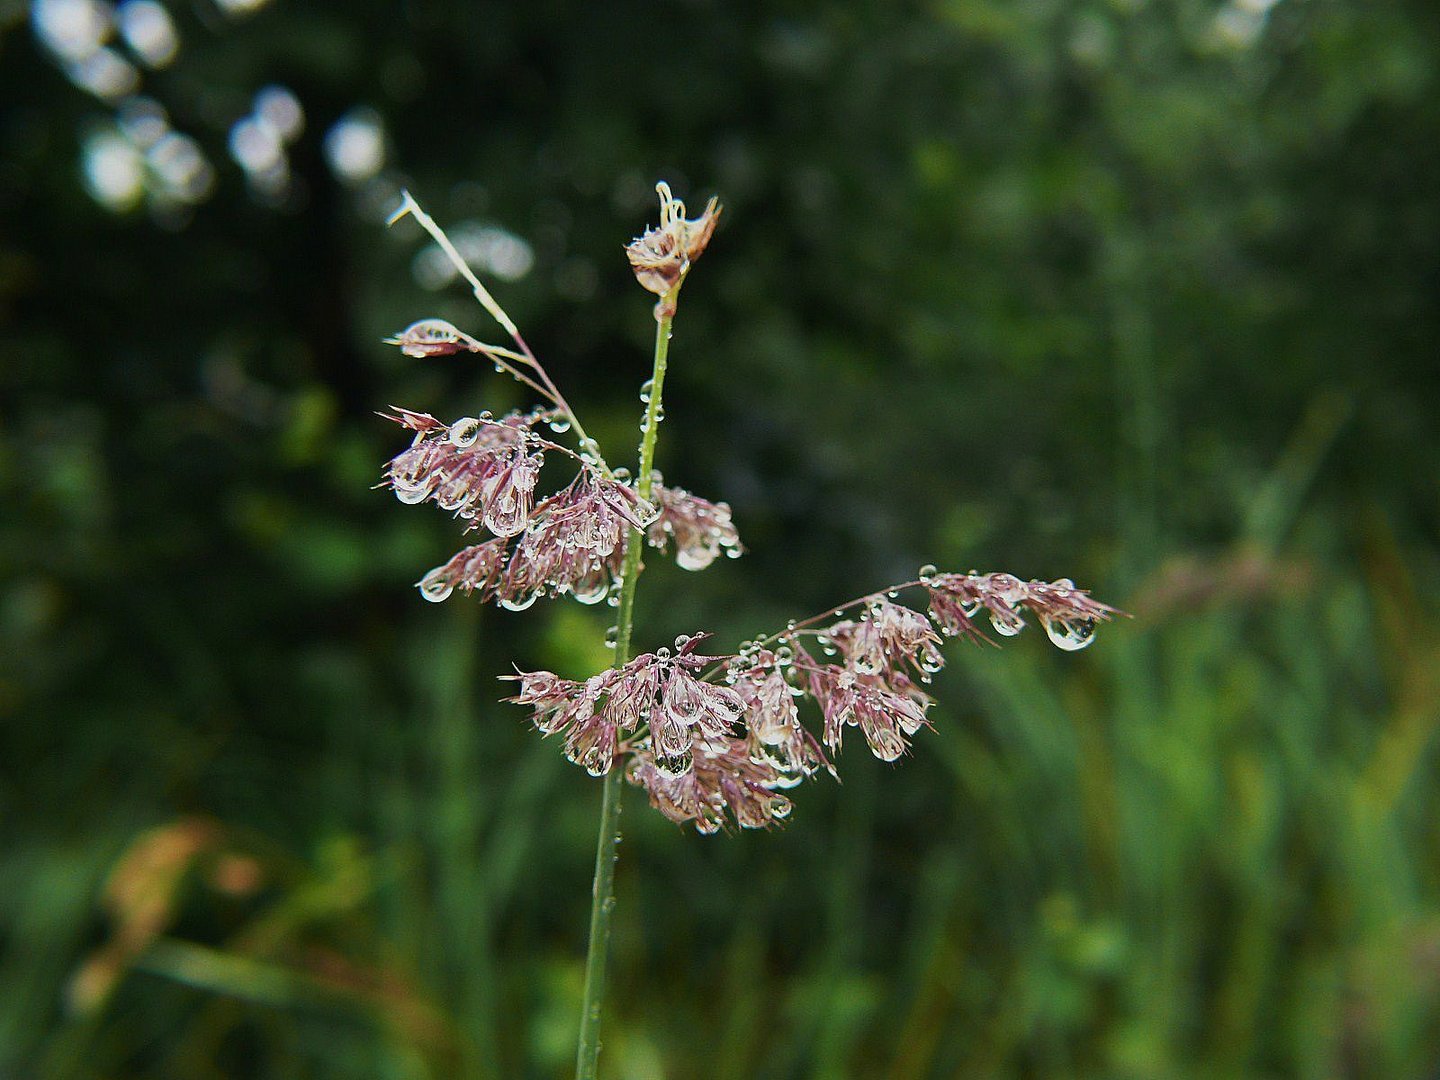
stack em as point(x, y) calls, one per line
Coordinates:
point(1143, 292)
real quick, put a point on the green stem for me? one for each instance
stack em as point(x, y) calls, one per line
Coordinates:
point(602, 896)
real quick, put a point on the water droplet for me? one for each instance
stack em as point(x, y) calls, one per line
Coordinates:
point(592, 588)
point(682, 640)
point(695, 557)
point(465, 431)
point(518, 603)
point(1007, 627)
point(893, 593)
point(1071, 635)
point(560, 425)
point(784, 655)
point(647, 388)
point(927, 572)
point(413, 494)
point(887, 745)
point(436, 585)
point(662, 653)
point(612, 635)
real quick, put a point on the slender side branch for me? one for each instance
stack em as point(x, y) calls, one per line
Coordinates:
point(499, 356)
point(408, 205)
point(587, 444)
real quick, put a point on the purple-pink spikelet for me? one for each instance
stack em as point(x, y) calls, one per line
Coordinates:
point(485, 472)
point(1069, 614)
point(576, 542)
point(472, 569)
point(772, 718)
point(478, 469)
point(723, 776)
point(701, 530)
point(660, 691)
point(433, 337)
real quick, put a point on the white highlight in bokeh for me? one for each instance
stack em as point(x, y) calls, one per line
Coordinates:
point(148, 30)
point(105, 73)
point(355, 146)
point(279, 109)
point(114, 171)
point(181, 168)
point(255, 146)
point(72, 29)
point(142, 120)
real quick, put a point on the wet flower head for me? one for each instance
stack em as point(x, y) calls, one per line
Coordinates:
point(662, 257)
point(715, 741)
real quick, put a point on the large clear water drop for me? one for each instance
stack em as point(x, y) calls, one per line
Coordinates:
point(465, 431)
point(1072, 635)
point(1007, 627)
point(592, 588)
point(436, 585)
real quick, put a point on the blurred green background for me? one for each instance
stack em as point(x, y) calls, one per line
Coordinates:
point(1141, 292)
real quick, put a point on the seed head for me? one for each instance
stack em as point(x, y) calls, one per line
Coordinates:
point(701, 529)
point(575, 542)
point(713, 754)
point(721, 776)
point(483, 471)
point(433, 337)
point(662, 256)
point(1069, 614)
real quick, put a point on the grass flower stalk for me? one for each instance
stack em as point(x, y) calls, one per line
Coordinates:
point(602, 897)
point(714, 740)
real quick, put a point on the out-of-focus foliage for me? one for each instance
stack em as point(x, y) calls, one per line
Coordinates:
point(1140, 292)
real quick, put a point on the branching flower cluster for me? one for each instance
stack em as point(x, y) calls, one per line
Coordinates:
point(485, 471)
point(712, 739)
point(722, 744)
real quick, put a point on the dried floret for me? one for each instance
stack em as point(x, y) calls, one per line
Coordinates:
point(662, 256)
